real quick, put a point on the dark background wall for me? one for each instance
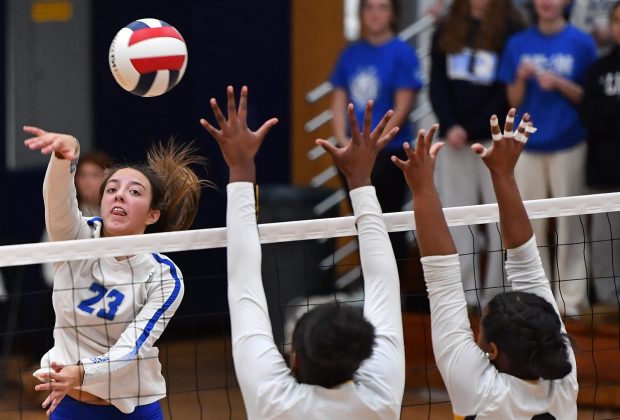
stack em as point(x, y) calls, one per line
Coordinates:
point(229, 42)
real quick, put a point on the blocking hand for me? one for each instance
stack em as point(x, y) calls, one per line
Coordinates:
point(237, 142)
point(502, 157)
point(419, 167)
point(358, 157)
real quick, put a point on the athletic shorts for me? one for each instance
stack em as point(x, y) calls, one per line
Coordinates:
point(72, 409)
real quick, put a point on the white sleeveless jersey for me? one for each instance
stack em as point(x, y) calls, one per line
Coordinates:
point(109, 313)
point(477, 389)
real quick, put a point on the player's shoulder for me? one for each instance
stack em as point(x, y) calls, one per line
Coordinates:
point(165, 264)
point(94, 225)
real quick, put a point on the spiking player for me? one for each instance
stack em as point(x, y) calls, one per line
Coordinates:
point(110, 311)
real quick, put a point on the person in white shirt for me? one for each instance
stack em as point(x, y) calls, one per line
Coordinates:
point(343, 364)
point(522, 366)
point(111, 310)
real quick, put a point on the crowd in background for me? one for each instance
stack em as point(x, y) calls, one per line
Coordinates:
point(556, 59)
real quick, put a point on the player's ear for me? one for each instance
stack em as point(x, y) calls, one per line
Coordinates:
point(152, 217)
point(294, 364)
point(493, 351)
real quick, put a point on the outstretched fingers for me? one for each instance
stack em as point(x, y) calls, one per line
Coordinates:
point(35, 131)
point(435, 148)
point(525, 129)
point(509, 125)
point(420, 144)
point(232, 105)
point(367, 119)
point(496, 132)
point(215, 133)
point(243, 106)
point(383, 141)
point(355, 128)
point(219, 117)
point(380, 128)
point(327, 146)
point(38, 139)
point(480, 150)
point(428, 139)
point(403, 164)
point(266, 127)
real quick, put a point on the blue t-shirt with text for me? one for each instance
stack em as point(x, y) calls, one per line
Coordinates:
point(368, 72)
point(568, 53)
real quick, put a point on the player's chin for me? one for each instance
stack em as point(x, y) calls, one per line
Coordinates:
point(115, 227)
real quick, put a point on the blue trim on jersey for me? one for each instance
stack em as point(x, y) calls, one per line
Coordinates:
point(149, 326)
point(91, 221)
point(134, 26)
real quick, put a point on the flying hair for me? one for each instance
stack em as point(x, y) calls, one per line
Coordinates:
point(175, 186)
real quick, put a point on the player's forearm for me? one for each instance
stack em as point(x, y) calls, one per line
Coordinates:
point(62, 215)
point(246, 297)
point(433, 235)
point(514, 222)
point(382, 291)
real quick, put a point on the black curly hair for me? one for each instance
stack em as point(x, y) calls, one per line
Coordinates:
point(330, 342)
point(527, 329)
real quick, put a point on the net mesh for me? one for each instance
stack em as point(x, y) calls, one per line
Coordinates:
point(302, 268)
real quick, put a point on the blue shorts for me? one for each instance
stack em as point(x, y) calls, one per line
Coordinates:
point(72, 409)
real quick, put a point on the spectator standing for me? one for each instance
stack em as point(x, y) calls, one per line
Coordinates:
point(544, 68)
point(464, 91)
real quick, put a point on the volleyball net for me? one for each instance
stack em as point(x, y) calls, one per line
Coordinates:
point(303, 266)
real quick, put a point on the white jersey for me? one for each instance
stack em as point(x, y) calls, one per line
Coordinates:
point(109, 313)
point(476, 388)
point(269, 390)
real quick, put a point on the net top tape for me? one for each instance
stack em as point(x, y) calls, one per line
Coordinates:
point(37, 253)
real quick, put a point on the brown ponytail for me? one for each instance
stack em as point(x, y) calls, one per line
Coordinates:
point(175, 186)
point(182, 187)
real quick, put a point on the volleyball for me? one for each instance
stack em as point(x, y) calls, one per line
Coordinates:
point(148, 57)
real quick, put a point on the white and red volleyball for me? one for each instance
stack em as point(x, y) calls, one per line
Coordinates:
point(148, 57)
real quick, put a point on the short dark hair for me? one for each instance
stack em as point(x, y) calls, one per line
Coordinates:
point(330, 343)
point(527, 329)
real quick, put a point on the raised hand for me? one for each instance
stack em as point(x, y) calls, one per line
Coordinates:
point(502, 157)
point(358, 157)
point(64, 145)
point(237, 142)
point(59, 382)
point(420, 165)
